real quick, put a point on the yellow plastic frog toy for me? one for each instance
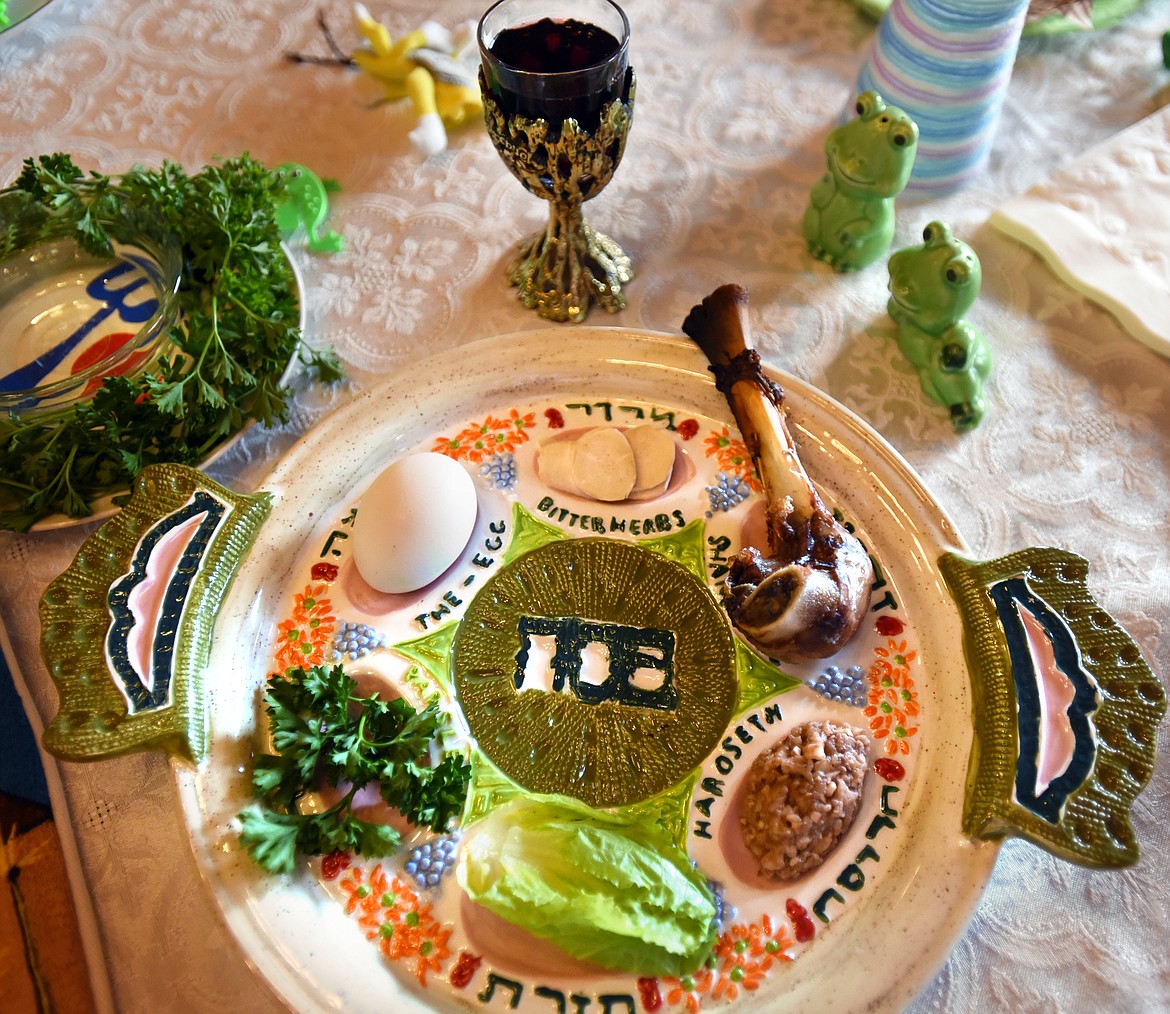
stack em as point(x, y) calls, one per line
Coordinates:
point(429, 67)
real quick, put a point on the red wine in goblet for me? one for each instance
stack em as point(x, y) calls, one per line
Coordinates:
point(558, 101)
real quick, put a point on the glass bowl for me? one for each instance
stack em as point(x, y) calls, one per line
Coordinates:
point(70, 318)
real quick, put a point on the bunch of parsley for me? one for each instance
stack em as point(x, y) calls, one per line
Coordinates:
point(238, 329)
point(326, 733)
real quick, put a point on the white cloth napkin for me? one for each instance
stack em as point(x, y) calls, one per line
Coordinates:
point(1102, 224)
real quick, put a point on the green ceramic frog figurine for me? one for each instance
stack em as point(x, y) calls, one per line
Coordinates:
point(931, 287)
point(849, 221)
point(306, 203)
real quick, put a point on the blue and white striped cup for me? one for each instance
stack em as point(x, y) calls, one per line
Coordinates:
point(947, 63)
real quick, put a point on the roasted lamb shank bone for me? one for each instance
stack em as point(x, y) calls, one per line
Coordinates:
point(807, 599)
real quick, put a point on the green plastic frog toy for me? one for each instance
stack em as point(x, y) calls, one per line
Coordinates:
point(931, 287)
point(849, 221)
point(306, 204)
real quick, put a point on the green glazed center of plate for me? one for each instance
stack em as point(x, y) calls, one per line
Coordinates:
point(595, 669)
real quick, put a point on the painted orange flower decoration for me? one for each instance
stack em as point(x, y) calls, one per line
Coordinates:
point(304, 639)
point(745, 953)
point(769, 943)
point(432, 949)
point(732, 457)
point(689, 990)
point(398, 920)
point(892, 704)
point(736, 970)
point(361, 891)
point(484, 440)
point(741, 960)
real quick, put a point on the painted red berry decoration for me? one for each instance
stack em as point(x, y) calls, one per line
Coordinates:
point(333, 864)
point(687, 428)
point(889, 769)
point(464, 969)
point(802, 925)
point(324, 572)
point(556, 421)
point(889, 626)
point(648, 990)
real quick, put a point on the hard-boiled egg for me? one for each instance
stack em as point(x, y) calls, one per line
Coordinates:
point(413, 522)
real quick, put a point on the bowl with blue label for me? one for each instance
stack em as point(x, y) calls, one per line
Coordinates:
point(70, 318)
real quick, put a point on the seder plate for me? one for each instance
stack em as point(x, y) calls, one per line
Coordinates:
point(873, 923)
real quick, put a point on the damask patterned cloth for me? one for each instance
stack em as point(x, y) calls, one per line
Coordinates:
point(734, 100)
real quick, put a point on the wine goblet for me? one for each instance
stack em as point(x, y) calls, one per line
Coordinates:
point(558, 101)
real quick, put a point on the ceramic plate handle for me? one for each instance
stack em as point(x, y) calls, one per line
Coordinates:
point(126, 629)
point(1065, 708)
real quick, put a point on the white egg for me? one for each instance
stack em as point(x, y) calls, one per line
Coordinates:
point(413, 522)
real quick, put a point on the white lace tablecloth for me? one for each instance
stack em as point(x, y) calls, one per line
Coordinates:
point(734, 100)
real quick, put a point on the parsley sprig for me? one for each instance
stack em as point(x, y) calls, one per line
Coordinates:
point(325, 732)
point(238, 330)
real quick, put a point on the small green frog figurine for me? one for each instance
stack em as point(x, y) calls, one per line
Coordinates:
point(931, 287)
point(849, 221)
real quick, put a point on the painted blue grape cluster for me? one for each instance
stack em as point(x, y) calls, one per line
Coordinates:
point(429, 861)
point(848, 686)
point(500, 471)
point(354, 640)
point(729, 491)
point(725, 912)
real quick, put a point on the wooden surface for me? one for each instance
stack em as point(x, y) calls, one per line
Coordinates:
point(41, 963)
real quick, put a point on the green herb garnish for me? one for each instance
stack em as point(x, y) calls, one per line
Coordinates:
point(325, 732)
point(239, 327)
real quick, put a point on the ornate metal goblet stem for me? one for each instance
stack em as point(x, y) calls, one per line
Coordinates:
point(566, 266)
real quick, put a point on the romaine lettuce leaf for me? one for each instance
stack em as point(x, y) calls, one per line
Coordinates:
point(615, 892)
